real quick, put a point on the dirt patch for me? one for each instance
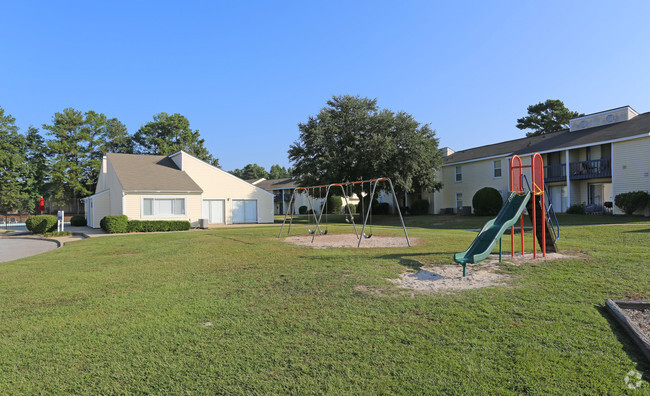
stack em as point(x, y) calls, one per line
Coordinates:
point(641, 318)
point(518, 259)
point(350, 240)
point(484, 274)
point(450, 277)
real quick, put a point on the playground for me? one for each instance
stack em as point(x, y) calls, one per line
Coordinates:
point(242, 310)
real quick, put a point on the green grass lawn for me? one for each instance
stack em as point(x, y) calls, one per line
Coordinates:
point(126, 314)
point(466, 222)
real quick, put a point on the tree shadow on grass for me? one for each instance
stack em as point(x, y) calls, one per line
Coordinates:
point(628, 344)
point(639, 231)
point(403, 258)
point(232, 239)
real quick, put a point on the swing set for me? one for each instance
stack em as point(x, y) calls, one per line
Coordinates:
point(316, 221)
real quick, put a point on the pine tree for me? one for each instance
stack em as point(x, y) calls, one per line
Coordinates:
point(14, 168)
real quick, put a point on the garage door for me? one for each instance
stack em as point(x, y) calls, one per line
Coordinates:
point(213, 210)
point(244, 211)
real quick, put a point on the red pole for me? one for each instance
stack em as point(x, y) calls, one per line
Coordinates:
point(512, 240)
point(543, 227)
point(534, 223)
point(522, 234)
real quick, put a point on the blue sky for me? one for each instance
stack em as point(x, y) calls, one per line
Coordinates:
point(246, 73)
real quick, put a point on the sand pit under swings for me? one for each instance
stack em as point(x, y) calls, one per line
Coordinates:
point(350, 240)
point(450, 277)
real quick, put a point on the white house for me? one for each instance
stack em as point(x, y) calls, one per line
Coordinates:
point(174, 187)
point(599, 156)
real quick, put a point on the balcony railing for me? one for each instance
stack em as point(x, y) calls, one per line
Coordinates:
point(579, 170)
point(555, 172)
point(278, 198)
point(591, 169)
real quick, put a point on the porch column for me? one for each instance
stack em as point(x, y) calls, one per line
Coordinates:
point(611, 167)
point(283, 208)
point(568, 181)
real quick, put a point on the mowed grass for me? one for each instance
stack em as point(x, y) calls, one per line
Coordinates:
point(126, 314)
point(463, 222)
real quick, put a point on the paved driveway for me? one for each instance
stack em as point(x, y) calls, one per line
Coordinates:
point(13, 248)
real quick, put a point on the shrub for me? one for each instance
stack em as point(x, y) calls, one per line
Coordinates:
point(576, 209)
point(78, 221)
point(302, 209)
point(41, 224)
point(157, 225)
point(334, 204)
point(487, 202)
point(420, 207)
point(630, 202)
point(353, 208)
point(114, 224)
point(381, 208)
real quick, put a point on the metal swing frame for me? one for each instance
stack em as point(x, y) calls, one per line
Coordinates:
point(372, 182)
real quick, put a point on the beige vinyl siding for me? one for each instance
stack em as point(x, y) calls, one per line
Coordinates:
point(630, 167)
point(101, 208)
point(476, 175)
point(115, 188)
point(218, 184)
point(133, 207)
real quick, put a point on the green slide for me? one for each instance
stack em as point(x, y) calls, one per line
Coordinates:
point(482, 246)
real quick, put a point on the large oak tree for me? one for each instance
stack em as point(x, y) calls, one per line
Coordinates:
point(351, 138)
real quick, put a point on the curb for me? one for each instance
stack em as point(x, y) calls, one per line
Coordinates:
point(58, 243)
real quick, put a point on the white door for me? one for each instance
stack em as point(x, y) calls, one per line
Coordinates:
point(213, 210)
point(558, 198)
point(251, 211)
point(244, 211)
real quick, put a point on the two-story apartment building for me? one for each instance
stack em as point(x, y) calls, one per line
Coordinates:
point(598, 156)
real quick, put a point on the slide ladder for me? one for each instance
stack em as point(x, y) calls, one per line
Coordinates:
point(552, 228)
point(493, 230)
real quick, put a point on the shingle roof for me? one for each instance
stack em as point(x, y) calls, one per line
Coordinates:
point(137, 172)
point(556, 141)
point(276, 184)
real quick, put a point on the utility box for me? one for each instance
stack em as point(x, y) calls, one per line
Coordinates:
point(203, 223)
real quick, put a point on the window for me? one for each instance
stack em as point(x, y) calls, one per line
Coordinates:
point(164, 207)
point(459, 174)
point(497, 168)
point(459, 201)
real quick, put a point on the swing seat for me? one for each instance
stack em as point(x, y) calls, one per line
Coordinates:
point(367, 236)
point(323, 232)
point(310, 231)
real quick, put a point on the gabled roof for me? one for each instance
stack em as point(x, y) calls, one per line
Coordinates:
point(151, 173)
point(277, 184)
point(639, 125)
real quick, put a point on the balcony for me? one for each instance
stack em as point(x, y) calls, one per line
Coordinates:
point(555, 172)
point(579, 170)
point(278, 197)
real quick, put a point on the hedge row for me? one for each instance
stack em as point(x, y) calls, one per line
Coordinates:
point(157, 225)
point(41, 224)
point(114, 224)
